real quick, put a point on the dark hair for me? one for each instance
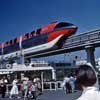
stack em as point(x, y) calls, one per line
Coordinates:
point(86, 76)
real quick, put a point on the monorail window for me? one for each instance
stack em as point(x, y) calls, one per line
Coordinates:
point(7, 42)
point(27, 35)
point(15, 40)
point(38, 31)
point(62, 24)
point(11, 42)
point(32, 34)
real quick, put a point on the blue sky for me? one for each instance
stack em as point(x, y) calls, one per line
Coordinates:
point(21, 16)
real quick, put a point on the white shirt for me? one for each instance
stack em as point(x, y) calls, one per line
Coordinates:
point(66, 79)
point(25, 84)
point(90, 93)
point(33, 87)
point(14, 82)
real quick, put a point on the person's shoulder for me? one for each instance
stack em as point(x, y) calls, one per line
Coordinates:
point(90, 95)
point(98, 95)
point(83, 97)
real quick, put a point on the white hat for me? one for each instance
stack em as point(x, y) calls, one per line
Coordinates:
point(5, 81)
point(25, 78)
point(1, 81)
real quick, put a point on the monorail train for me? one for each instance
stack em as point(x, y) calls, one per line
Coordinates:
point(51, 36)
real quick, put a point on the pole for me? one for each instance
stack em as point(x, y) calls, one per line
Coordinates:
point(42, 80)
point(53, 74)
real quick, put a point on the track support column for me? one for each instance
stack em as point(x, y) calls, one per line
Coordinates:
point(22, 59)
point(90, 55)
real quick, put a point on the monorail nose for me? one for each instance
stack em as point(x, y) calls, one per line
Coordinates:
point(74, 27)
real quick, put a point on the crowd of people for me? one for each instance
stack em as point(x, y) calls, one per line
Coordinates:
point(85, 80)
point(3, 83)
point(31, 88)
point(68, 84)
point(27, 89)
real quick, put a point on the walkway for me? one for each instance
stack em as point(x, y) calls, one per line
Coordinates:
point(54, 95)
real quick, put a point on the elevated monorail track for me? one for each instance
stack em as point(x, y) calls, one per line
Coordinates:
point(74, 43)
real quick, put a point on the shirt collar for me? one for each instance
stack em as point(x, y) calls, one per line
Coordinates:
point(89, 88)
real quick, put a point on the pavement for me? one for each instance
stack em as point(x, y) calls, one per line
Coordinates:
point(52, 95)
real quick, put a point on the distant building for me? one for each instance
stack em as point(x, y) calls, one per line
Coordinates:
point(63, 69)
point(97, 63)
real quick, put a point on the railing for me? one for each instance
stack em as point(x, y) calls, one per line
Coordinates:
point(53, 85)
point(85, 38)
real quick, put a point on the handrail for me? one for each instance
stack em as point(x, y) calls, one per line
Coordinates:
point(52, 85)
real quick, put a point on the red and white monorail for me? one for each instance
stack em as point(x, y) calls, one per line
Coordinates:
point(48, 37)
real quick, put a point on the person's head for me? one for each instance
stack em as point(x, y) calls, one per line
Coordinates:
point(86, 76)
